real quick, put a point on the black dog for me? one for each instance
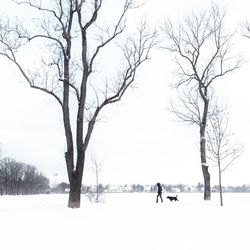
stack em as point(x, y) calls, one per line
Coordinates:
point(173, 198)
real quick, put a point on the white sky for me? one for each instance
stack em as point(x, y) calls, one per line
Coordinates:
point(137, 142)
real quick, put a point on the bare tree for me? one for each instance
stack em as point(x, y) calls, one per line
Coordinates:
point(68, 29)
point(222, 147)
point(95, 192)
point(97, 169)
point(202, 51)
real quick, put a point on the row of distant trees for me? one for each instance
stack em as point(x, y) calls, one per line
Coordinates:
point(20, 178)
point(175, 188)
point(91, 190)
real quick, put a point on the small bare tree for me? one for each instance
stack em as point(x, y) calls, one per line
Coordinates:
point(222, 147)
point(94, 194)
point(71, 39)
point(202, 51)
point(97, 169)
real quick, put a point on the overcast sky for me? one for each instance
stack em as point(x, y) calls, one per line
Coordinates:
point(137, 141)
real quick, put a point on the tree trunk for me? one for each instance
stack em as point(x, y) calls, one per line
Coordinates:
point(220, 184)
point(97, 188)
point(207, 188)
point(75, 192)
point(75, 179)
point(204, 165)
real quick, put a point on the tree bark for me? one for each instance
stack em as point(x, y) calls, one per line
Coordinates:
point(75, 192)
point(220, 183)
point(204, 165)
point(207, 188)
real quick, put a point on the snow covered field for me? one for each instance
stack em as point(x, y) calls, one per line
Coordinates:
point(125, 222)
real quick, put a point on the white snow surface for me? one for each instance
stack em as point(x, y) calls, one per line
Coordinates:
point(125, 222)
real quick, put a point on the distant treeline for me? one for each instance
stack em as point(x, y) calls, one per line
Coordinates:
point(20, 178)
point(64, 187)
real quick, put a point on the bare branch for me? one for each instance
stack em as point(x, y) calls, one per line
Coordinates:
point(136, 51)
point(189, 109)
point(118, 29)
point(202, 47)
point(245, 29)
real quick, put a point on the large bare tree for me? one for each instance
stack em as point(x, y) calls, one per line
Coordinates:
point(202, 51)
point(72, 41)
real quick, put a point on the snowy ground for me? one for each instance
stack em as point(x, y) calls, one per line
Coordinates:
point(125, 222)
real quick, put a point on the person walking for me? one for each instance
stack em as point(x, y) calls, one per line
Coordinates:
point(159, 192)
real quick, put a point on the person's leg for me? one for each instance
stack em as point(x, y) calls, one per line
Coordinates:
point(161, 197)
point(157, 198)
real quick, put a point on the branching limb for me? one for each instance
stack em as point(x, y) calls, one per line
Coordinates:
point(136, 52)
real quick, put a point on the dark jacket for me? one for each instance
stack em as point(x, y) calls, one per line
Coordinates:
point(159, 188)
